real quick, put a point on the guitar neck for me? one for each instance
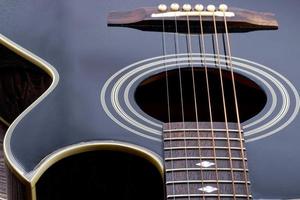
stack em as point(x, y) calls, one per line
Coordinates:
point(205, 160)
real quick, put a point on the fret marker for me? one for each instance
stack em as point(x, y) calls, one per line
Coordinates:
point(208, 189)
point(205, 164)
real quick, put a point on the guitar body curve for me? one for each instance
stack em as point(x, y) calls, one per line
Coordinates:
point(96, 65)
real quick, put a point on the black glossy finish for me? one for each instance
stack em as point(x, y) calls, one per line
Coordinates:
point(73, 36)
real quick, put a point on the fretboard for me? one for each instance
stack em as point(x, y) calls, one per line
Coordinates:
point(205, 162)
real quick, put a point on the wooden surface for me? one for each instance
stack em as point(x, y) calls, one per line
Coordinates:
point(21, 82)
point(16, 190)
point(87, 53)
point(185, 149)
point(243, 21)
point(3, 179)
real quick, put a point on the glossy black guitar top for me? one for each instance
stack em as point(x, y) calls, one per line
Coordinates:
point(108, 88)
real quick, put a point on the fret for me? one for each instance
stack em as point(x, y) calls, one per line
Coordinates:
point(197, 163)
point(209, 195)
point(202, 138)
point(202, 143)
point(197, 148)
point(201, 134)
point(206, 169)
point(207, 181)
point(224, 188)
point(202, 153)
point(199, 125)
point(208, 198)
point(204, 158)
point(205, 175)
point(200, 130)
point(225, 170)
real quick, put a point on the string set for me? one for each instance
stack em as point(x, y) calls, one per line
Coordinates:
point(228, 62)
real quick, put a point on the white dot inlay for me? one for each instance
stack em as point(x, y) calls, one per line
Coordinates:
point(205, 164)
point(208, 189)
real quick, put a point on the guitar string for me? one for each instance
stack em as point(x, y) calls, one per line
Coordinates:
point(203, 51)
point(216, 44)
point(176, 41)
point(236, 106)
point(189, 50)
point(177, 50)
point(166, 71)
point(225, 51)
point(168, 101)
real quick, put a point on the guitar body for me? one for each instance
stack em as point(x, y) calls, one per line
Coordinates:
point(91, 103)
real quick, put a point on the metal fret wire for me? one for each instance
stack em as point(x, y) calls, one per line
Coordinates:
point(207, 169)
point(208, 158)
point(202, 49)
point(205, 147)
point(209, 195)
point(168, 99)
point(203, 129)
point(236, 103)
point(207, 181)
point(201, 138)
point(216, 43)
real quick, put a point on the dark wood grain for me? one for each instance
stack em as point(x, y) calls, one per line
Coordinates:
point(16, 190)
point(188, 144)
point(243, 21)
point(3, 178)
point(21, 83)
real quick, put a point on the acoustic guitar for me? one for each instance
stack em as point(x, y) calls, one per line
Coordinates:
point(117, 100)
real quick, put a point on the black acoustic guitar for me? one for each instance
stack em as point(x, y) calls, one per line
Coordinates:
point(117, 100)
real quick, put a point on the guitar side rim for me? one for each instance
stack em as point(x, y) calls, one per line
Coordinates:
point(30, 179)
point(90, 146)
point(10, 160)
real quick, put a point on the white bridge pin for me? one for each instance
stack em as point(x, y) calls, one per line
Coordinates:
point(174, 6)
point(187, 7)
point(162, 7)
point(199, 7)
point(223, 7)
point(211, 8)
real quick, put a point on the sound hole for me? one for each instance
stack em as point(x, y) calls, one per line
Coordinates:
point(151, 96)
point(109, 175)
